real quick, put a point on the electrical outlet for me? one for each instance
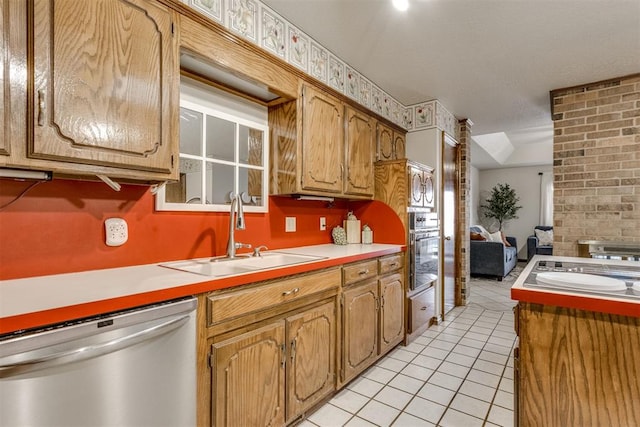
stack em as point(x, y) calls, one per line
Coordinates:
point(116, 231)
point(323, 223)
point(290, 224)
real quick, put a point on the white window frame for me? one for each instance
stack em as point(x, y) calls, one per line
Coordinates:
point(207, 106)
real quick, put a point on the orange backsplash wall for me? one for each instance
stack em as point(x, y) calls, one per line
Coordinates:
point(58, 227)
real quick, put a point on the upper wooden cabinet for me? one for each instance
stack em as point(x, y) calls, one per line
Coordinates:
point(102, 83)
point(404, 185)
point(322, 141)
point(399, 145)
point(391, 144)
point(101, 89)
point(421, 186)
point(360, 138)
point(321, 146)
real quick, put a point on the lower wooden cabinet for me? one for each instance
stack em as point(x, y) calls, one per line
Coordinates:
point(391, 312)
point(372, 314)
point(311, 337)
point(249, 378)
point(271, 375)
point(360, 328)
point(421, 309)
point(270, 352)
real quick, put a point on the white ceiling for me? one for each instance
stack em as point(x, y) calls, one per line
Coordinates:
point(491, 61)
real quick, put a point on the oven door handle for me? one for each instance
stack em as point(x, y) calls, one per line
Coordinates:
point(419, 239)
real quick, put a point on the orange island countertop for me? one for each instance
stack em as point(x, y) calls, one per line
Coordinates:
point(600, 285)
point(40, 301)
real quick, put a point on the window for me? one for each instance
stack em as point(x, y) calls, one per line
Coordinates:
point(223, 151)
point(546, 198)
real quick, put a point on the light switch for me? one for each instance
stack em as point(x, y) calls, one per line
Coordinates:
point(290, 224)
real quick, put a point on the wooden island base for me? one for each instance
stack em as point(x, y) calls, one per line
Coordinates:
point(576, 367)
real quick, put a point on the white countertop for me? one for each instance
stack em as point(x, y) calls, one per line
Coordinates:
point(38, 294)
point(609, 303)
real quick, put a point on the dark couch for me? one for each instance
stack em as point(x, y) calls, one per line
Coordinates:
point(533, 246)
point(492, 258)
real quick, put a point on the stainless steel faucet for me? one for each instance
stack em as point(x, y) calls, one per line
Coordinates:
point(237, 213)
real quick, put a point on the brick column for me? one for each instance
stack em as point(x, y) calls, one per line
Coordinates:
point(464, 159)
point(596, 158)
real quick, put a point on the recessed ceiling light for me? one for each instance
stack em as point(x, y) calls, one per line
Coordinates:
point(401, 5)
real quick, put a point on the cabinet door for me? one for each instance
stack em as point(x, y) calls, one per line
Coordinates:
point(421, 309)
point(104, 84)
point(428, 190)
point(416, 187)
point(4, 77)
point(391, 311)
point(399, 144)
point(385, 142)
point(248, 383)
point(311, 337)
point(360, 323)
point(360, 134)
point(322, 142)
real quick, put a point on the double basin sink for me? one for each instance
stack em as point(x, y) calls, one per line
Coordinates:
point(219, 267)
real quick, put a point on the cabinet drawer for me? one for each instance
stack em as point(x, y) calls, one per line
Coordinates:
point(390, 263)
point(230, 304)
point(422, 308)
point(353, 273)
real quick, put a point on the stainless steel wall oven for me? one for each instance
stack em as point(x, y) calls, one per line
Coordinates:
point(424, 250)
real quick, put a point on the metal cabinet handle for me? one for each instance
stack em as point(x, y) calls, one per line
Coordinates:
point(283, 349)
point(393, 264)
point(423, 308)
point(40, 108)
point(292, 291)
point(293, 350)
point(363, 272)
point(447, 238)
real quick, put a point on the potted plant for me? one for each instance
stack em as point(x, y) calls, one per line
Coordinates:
point(502, 204)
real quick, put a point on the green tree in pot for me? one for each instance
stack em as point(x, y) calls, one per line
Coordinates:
point(502, 204)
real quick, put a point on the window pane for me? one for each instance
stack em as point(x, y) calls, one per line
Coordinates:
point(250, 145)
point(190, 132)
point(219, 183)
point(189, 188)
point(220, 139)
point(250, 186)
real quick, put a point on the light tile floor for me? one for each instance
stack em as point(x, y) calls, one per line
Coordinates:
point(457, 374)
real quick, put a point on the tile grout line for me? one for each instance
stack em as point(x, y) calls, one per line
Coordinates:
point(476, 313)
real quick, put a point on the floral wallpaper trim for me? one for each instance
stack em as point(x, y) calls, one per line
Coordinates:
point(259, 24)
point(432, 114)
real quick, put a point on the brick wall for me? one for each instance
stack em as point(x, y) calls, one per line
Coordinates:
point(596, 159)
point(464, 159)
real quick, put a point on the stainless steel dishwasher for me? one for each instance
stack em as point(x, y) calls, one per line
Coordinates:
point(131, 368)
